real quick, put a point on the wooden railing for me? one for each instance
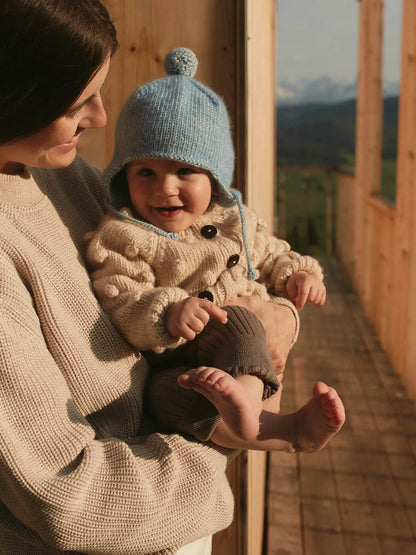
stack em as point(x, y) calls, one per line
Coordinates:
point(306, 201)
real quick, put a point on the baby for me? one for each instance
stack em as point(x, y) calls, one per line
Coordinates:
point(177, 245)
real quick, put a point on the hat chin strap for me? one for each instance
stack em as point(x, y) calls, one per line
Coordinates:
point(251, 274)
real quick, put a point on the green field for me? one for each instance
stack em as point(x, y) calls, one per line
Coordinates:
point(304, 212)
point(323, 135)
point(388, 179)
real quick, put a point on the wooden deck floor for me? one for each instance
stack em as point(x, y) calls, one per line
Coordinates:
point(358, 495)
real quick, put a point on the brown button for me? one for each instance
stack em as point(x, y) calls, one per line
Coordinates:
point(209, 231)
point(233, 260)
point(206, 295)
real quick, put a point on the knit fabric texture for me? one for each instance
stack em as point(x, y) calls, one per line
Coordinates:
point(77, 472)
point(138, 273)
point(177, 118)
point(238, 347)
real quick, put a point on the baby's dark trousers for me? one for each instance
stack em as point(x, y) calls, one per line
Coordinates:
point(238, 347)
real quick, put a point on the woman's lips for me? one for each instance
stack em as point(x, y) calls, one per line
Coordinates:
point(73, 143)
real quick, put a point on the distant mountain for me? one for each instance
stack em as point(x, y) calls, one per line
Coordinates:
point(324, 134)
point(323, 90)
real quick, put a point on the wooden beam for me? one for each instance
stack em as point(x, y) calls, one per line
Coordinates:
point(260, 101)
point(368, 147)
point(404, 262)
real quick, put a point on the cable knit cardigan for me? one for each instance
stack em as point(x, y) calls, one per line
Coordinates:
point(139, 273)
point(77, 473)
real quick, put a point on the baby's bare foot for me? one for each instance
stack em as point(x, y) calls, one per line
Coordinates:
point(319, 420)
point(231, 399)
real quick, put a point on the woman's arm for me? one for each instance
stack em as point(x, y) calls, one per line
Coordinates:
point(279, 323)
point(281, 327)
point(78, 482)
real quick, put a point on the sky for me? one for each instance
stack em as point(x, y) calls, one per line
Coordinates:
point(318, 38)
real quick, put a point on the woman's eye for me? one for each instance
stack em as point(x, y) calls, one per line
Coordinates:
point(185, 171)
point(73, 113)
point(145, 172)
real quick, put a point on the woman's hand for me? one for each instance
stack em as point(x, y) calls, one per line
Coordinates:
point(279, 323)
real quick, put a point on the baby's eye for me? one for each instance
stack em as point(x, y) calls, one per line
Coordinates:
point(185, 171)
point(146, 172)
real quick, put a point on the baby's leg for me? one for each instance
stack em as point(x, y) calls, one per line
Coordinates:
point(235, 371)
point(238, 400)
point(238, 347)
point(308, 429)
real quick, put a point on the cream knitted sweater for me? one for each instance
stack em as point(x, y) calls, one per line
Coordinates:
point(139, 273)
point(75, 473)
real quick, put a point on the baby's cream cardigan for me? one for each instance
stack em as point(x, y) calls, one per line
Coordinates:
point(139, 273)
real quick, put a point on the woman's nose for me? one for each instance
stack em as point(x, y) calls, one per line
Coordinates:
point(96, 115)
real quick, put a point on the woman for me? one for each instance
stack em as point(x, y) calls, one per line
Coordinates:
point(78, 472)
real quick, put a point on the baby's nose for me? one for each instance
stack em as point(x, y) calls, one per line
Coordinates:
point(168, 184)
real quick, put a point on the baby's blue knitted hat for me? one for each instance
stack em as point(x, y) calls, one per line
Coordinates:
point(178, 118)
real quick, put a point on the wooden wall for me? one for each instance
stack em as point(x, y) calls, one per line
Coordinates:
point(382, 262)
point(235, 44)
point(344, 210)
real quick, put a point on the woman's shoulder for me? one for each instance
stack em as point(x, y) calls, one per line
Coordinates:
point(83, 172)
point(79, 171)
point(80, 176)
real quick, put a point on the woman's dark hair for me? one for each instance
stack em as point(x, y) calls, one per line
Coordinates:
point(49, 51)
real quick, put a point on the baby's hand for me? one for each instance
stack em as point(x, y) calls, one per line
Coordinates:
point(303, 287)
point(187, 318)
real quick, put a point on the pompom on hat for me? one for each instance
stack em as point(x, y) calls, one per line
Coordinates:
point(177, 118)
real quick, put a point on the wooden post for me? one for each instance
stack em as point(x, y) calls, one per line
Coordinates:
point(261, 109)
point(404, 261)
point(383, 263)
point(260, 27)
point(281, 231)
point(369, 129)
point(306, 185)
point(329, 217)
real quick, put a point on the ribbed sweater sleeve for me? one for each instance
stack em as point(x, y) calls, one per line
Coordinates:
point(75, 472)
point(275, 260)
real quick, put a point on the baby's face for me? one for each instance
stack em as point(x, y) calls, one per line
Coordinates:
point(168, 194)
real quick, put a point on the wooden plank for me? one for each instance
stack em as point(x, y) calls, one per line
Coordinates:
point(231, 540)
point(368, 131)
point(345, 219)
point(260, 101)
point(381, 224)
point(260, 134)
point(405, 238)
